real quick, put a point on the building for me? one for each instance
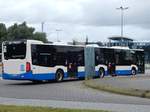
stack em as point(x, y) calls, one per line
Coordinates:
point(128, 42)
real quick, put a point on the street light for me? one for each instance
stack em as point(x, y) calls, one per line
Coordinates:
point(122, 17)
point(42, 26)
point(58, 30)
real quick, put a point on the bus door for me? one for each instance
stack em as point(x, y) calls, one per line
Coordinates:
point(140, 61)
point(110, 61)
point(72, 69)
point(72, 66)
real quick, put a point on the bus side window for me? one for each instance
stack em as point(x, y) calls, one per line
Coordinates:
point(80, 60)
point(117, 59)
point(34, 58)
point(46, 59)
point(0, 57)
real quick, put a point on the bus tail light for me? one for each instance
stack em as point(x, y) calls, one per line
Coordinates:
point(2, 68)
point(28, 67)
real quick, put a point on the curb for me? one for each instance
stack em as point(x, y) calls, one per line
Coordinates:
point(76, 105)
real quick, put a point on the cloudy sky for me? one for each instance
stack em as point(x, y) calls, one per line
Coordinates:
point(97, 19)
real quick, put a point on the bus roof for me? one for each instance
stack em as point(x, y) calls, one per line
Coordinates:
point(23, 41)
point(105, 47)
point(65, 44)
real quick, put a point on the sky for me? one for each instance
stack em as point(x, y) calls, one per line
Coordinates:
point(68, 20)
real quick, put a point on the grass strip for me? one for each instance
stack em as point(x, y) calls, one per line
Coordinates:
point(117, 90)
point(7, 108)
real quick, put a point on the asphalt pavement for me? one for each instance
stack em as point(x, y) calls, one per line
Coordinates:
point(73, 94)
point(65, 91)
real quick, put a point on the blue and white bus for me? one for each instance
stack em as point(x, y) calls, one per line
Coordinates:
point(0, 65)
point(37, 61)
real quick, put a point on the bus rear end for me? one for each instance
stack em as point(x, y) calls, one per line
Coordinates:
point(16, 66)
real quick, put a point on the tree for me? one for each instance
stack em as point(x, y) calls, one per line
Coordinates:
point(3, 32)
point(40, 36)
point(21, 31)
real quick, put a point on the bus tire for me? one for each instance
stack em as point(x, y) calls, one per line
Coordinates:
point(37, 81)
point(133, 71)
point(59, 75)
point(101, 72)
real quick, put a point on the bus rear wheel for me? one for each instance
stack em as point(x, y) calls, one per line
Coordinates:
point(59, 75)
point(101, 73)
point(133, 71)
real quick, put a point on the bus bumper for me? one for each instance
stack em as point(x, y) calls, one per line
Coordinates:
point(25, 76)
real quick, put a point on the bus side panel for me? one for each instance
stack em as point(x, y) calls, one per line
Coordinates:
point(81, 72)
point(123, 70)
point(47, 73)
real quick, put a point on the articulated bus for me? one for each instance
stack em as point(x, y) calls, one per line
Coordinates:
point(0, 65)
point(37, 61)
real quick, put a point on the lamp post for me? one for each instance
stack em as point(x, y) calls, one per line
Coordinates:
point(42, 26)
point(122, 17)
point(58, 30)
